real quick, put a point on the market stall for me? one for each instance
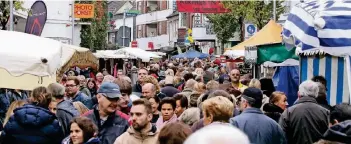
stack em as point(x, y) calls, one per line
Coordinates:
point(269, 34)
point(191, 54)
point(110, 54)
point(28, 61)
point(321, 31)
point(286, 77)
point(144, 55)
point(74, 56)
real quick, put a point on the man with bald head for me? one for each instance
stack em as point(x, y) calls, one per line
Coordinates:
point(235, 79)
point(234, 87)
point(148, 90)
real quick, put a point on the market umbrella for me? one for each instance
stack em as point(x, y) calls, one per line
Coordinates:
point(320, 26)
point(190, 54)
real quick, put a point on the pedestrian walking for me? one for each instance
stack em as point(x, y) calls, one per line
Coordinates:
point(126, 91)
point(73, 94)
point(141, 131)
point(168, 106)
point(111, 123)
point(83, 131)
point(276, 106)
point(137, 88)
point(258, 127)
point(174, 133)
point(65, 111)
point(155, 101)
point(306, 121)
point(33, 123)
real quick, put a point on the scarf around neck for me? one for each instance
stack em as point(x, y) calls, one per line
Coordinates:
point(160, 124)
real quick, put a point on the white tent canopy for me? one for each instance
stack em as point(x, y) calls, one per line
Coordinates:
point(144, 55)
point(234, 53)
point(110, 54)
point(23, 53)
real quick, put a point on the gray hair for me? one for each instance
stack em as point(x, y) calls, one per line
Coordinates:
point(190, 84)
point(308, 88)
point(218, 133)
point(81, 77)
point(57, 90)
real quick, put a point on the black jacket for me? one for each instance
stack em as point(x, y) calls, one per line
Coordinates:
point(115, 125)
point(305, 122)
point(273, 111)
point(340, 132)
point(65, 113)
point(137, 88)
point(324, 103)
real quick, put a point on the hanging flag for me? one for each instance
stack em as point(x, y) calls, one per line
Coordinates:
point(36, 18)
point(213, 6)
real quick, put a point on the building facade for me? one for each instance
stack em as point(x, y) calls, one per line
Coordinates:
point(59, 21)
point(152, 24)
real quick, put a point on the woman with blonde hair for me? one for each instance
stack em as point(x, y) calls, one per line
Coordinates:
point(200, 87)
point(276, 106)
point(33, 123)
point(80, 107)
point(218, 109)
point(255, 83)
point(13, 106)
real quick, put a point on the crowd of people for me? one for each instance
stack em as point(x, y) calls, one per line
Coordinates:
point(173, 102)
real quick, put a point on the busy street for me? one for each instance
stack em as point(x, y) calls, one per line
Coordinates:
point(175, 72)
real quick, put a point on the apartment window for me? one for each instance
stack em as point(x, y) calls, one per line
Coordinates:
point(139, 5)
point(152, 30)
point(152, 6)
point(176, 28)
point(139, 30)
point(159, 28)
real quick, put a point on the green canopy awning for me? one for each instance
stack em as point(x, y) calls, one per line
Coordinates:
point(275, 53)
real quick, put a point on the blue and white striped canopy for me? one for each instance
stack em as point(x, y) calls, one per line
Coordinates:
point(320, 25)
point(335, 71)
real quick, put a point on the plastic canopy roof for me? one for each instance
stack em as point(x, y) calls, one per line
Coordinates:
point(269, 34)
point(144, 55)
point(23, 53)
point(191, 54)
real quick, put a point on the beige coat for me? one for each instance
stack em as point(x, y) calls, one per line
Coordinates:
point(133, 137)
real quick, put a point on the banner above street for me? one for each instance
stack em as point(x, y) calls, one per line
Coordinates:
point(201, 6)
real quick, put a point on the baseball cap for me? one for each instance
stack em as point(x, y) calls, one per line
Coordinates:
point(253, 95)
point(110, 90)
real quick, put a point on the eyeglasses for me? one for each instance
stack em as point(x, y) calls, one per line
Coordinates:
point(71, 85)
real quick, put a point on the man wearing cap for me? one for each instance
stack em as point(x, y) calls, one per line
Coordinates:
point(258, 127)
point(111, 122)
